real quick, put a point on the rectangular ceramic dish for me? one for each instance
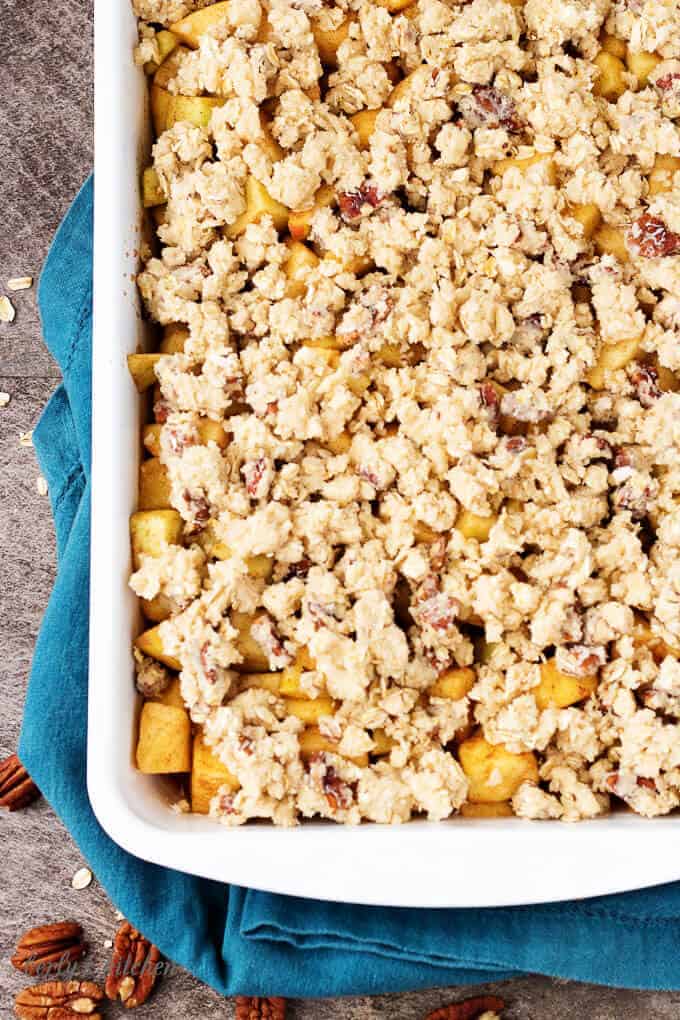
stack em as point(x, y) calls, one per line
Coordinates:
point(456, 863)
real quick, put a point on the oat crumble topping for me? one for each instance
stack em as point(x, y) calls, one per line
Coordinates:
point(421, 413)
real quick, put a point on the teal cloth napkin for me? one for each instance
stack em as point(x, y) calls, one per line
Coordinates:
point(238, 940)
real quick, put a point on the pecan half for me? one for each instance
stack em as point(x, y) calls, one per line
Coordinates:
point(49, 948)
point(17, 789)
point(468, 1009)
point(59, 1000)
point(652, 239)
point(256, 1008)
point(135, 965)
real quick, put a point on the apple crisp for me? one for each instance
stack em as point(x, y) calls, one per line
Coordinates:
point(408, 538)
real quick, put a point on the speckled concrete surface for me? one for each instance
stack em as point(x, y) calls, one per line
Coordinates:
point(45, 154)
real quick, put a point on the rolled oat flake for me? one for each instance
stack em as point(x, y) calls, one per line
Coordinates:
point(81, 879)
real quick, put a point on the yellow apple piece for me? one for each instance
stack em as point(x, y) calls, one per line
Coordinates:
point(190, 29)
point(157, 609)
point(152, 189)
point(149, 642)
point(662, 174)
point(175, 336)
point(493, 772)
point(297, 267)
point(152, 530)
point(151, 439)
point(453, 683)
point(300, 220)
point(154, 485)
point(611, 240)
point(166, 42)
point(501, 810)
point(612, 44)
point(364, 125)
point(290, 676)
point(310, 711)
point(164, 744)
point(474, 526)
point(611, 358)
point(523, 164)
point(559, 690)
point(254, 658)
point(312, 741)
point(589, 216)
point(611, 83)
point(142, 369)
point(208, 776)
point(329, 40)
point(642, 65)
point(259, 203)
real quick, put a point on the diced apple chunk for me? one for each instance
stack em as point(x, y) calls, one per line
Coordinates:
point(151, 439)
point(610, 240)
point(589, 216)
point(166, 42)
point(493, 772)
point(297, 267)
point(453, 683)
point(329, 41)
point(208, 776)
point(164, 744)
point(312, 741)
point(152, 189)
point(259, 203)
point(168, 109)
point(290, 676)
point(611, 358)
point(254, 658)
point(364, 125)
point(300, 220)
point(559, 690)
point(642, 65)
point(473, 526)
point(175, 336)
point(142, 369)
point(501, 810)
point(611, 83)
point(662, 174)
point(310, 711)
point(150, 643)
point(501, 166)
point(154, 485)
point(152, 530)
point(190, 29)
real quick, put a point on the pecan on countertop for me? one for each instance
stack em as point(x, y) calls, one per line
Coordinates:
point(17, 789)
point(49, 948)
point(59, 1000)
point(135, 966)
point(256, 1008)
point(469, 1009)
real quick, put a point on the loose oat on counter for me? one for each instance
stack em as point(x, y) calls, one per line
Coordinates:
point(410, 529)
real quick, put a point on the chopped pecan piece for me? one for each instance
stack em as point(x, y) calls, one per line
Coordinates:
point(645, 379)
point(580, 660)
point(198, 508)
point(490, 399)
point(59, 1000)
point(17, 789)
point(135, 965)
point(49, 948)
point(352, 203)
point(652, 239)
point(488, 107)
point(468, 1009)
point(258, 475)
point(257, 1008)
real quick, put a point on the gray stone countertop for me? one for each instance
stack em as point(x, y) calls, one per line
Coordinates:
point(45, 154)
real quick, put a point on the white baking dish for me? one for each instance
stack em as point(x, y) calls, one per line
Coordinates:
point(457, 863)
